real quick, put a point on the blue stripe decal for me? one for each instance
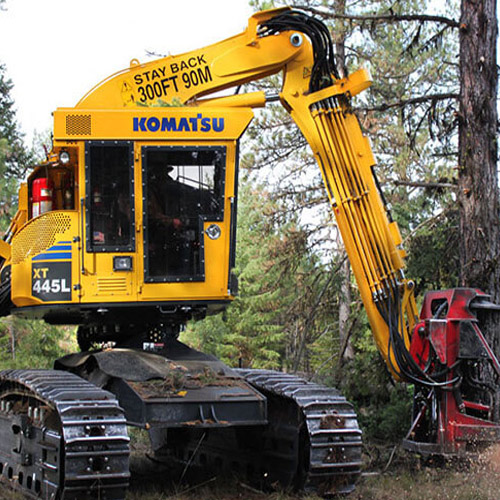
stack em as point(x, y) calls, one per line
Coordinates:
point(52, 256)
point(59, 247)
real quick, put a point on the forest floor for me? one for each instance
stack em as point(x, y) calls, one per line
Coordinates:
point(403, 477)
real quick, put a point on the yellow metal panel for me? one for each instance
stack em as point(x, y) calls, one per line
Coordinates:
point(100, 283)
point(98, 280)
point(215, 284)
point(152, 123)
point(35, 240)
point(4, 250)
point(178, 78)
point(23, 197)
point(249, 100)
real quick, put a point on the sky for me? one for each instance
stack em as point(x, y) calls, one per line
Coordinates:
point(57, 50)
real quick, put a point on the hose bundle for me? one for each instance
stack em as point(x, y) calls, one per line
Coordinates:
point(317, 32)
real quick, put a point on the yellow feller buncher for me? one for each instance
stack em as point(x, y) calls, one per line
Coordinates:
point(128, 230)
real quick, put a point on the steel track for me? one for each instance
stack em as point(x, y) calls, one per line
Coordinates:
point(61, 437)
point(329, 446)
point(311, 442)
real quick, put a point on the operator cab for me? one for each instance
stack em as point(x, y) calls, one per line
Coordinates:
point(131, 218)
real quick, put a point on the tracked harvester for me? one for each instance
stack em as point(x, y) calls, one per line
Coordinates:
point(128, 230)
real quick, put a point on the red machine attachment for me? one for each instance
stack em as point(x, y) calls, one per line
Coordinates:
point(455, 412)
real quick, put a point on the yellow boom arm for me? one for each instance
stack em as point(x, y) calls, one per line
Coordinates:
point(372, 241)
point(287, 41)
point(178, 79)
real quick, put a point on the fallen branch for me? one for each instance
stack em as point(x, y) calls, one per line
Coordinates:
point(253, 490)
point(388, 464)
point(199, 485)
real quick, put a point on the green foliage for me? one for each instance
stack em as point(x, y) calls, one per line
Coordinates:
point(282, 302)
point(262, 4)
point(8, 187)
point(384, 410)
point(33, 344)
point(433, 252)
point(14, 157)
point(17, 158)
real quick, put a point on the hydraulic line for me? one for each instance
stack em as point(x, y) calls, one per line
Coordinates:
point(324, 59)
point(364, 222)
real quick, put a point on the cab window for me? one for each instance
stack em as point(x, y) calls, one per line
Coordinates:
point(109, 197)
point(183, 187)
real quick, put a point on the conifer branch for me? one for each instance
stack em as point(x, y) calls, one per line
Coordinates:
point(413, 100)
point(427, 185)
point(390, 18)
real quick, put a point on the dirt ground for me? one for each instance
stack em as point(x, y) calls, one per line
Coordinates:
point(407, 485)
point(405, 478)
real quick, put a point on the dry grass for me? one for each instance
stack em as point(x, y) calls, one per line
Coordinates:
point(211, 490)
point(477, 480)
point(429, 484)
point(152, 482)
point(406, 479)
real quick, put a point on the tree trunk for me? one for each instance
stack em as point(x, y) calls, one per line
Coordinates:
point(12, 334)
point(344, 312)
point(346, 353)
point(339, 36)
point(478, 179)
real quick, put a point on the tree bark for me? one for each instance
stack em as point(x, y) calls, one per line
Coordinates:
point(339, 8)
point(478, 193)
point(478, 179)
point(344, 312)
point(347, 352)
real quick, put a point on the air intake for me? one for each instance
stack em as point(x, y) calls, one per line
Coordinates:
point(78, 125)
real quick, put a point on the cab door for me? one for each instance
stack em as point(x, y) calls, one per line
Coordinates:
point(186, 221)
point(108, 208)
point(183, 187)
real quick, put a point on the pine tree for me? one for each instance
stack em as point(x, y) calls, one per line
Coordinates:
point(478, 177)
point(14, 157)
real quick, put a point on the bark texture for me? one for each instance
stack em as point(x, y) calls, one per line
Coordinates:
point(346, 353)
point(346, 349)
point(478, 178)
